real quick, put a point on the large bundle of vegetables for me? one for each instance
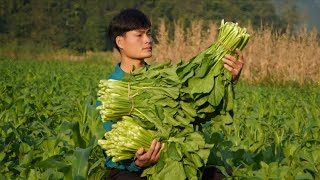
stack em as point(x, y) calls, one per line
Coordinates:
point(170, 102)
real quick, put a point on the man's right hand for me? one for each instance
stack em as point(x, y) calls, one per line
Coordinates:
point(146, 159)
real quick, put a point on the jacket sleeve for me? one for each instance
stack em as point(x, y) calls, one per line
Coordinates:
point(122, 165)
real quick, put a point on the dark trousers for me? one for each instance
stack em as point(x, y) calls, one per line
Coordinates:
point(210, 173)
point(116, 174)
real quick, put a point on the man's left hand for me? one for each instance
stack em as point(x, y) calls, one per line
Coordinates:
point(234, 65)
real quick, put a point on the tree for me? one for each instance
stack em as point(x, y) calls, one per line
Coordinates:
point(81, 25)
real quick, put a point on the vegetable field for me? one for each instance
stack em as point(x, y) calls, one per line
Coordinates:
point(49, 125)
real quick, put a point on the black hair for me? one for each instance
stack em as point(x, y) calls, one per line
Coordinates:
point(127, 20)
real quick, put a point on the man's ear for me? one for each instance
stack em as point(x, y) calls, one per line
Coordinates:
point(119, 41)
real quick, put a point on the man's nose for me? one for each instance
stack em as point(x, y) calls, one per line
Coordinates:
point(148, 39)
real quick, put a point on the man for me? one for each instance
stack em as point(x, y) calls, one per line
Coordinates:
point(130, 31)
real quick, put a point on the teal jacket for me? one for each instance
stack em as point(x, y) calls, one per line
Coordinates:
point(129, 165)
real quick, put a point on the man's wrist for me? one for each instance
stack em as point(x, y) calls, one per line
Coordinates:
point(134, 167)
point(135, 163)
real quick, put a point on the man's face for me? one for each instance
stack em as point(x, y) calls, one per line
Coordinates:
point(136, 44)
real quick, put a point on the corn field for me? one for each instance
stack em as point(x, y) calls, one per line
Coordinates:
point(270, 56)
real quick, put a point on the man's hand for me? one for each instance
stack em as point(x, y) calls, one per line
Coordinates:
point(149, 158)
point(234, 65)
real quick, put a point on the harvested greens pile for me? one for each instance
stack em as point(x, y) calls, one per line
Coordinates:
point(171, 103)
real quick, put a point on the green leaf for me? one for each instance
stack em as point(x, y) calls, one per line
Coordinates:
point(159, 112)
point(171, 170)
point(51, 174)
point(99, 175)
point(50, 145)
point(208, 108)
point(187, 107)
point(24, 148)
point(182, 120)
point(174, 151)
point(172, 92)
point(156, 98)
point(95, 165)
point(76, 135)
point(186, 70)
point(2, 156)
point(188, 161)
point(170, 120)
point(150, 170)
point(227, 119)
point(190, 171)
point(190, 146)
point(303, 176)
point(33, 174)
point(204, 66)
point(185, 131)
point(204, 154)
point(217, 69)
point(199, 85)
point(2, 177)
point(217, 93)
point(230, 98)
point(202, 100)
point(80, 164)
point(168, 102)
point(160, 165)
point(196, 159)
point(152, 74)
point(52, 162)
point(27, 158)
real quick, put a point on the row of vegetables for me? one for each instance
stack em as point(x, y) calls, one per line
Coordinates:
point(50, 128)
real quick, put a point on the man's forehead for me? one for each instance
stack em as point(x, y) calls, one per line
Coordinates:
point(142, 30)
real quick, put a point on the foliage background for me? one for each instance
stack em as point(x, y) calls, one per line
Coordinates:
point(81, 25)
point(53, 53)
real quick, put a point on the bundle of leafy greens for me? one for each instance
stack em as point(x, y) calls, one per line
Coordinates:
point(170, 102)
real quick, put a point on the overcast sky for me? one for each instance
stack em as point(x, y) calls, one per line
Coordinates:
point(310, 9)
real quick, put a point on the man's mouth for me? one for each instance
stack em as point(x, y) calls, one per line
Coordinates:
point(147, 48)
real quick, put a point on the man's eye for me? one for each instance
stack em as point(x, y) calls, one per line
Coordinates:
point(139, 35)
